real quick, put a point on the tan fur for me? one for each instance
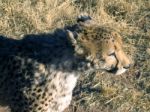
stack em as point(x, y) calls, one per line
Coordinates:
point(105, 42)
point(39, 74)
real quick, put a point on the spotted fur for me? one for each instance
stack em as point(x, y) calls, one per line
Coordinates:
point(39, 73)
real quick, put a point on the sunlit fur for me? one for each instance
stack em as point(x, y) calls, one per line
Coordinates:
point(39, 72)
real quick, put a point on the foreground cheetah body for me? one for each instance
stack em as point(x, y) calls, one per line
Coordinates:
point(38, 74)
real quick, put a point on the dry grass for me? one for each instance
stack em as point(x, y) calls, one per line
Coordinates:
point(99, 92)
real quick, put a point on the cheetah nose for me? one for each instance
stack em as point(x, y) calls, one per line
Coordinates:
point(127, 66)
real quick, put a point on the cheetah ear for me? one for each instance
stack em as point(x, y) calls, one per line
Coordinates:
point(71, 37)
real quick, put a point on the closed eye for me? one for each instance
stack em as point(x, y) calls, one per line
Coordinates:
point(113, 53)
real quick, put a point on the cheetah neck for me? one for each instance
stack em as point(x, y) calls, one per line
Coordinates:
point(74, 65)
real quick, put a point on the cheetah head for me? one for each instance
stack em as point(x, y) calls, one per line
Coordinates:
point(101, 46)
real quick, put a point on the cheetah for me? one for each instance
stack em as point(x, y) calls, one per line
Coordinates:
point(39, 72)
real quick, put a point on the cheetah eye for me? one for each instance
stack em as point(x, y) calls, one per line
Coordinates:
point(112, 53)
point(102, 59)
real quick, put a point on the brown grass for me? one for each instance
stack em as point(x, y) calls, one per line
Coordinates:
point(99, 92)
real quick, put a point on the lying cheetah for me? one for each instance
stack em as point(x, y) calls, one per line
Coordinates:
point(39, 73)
